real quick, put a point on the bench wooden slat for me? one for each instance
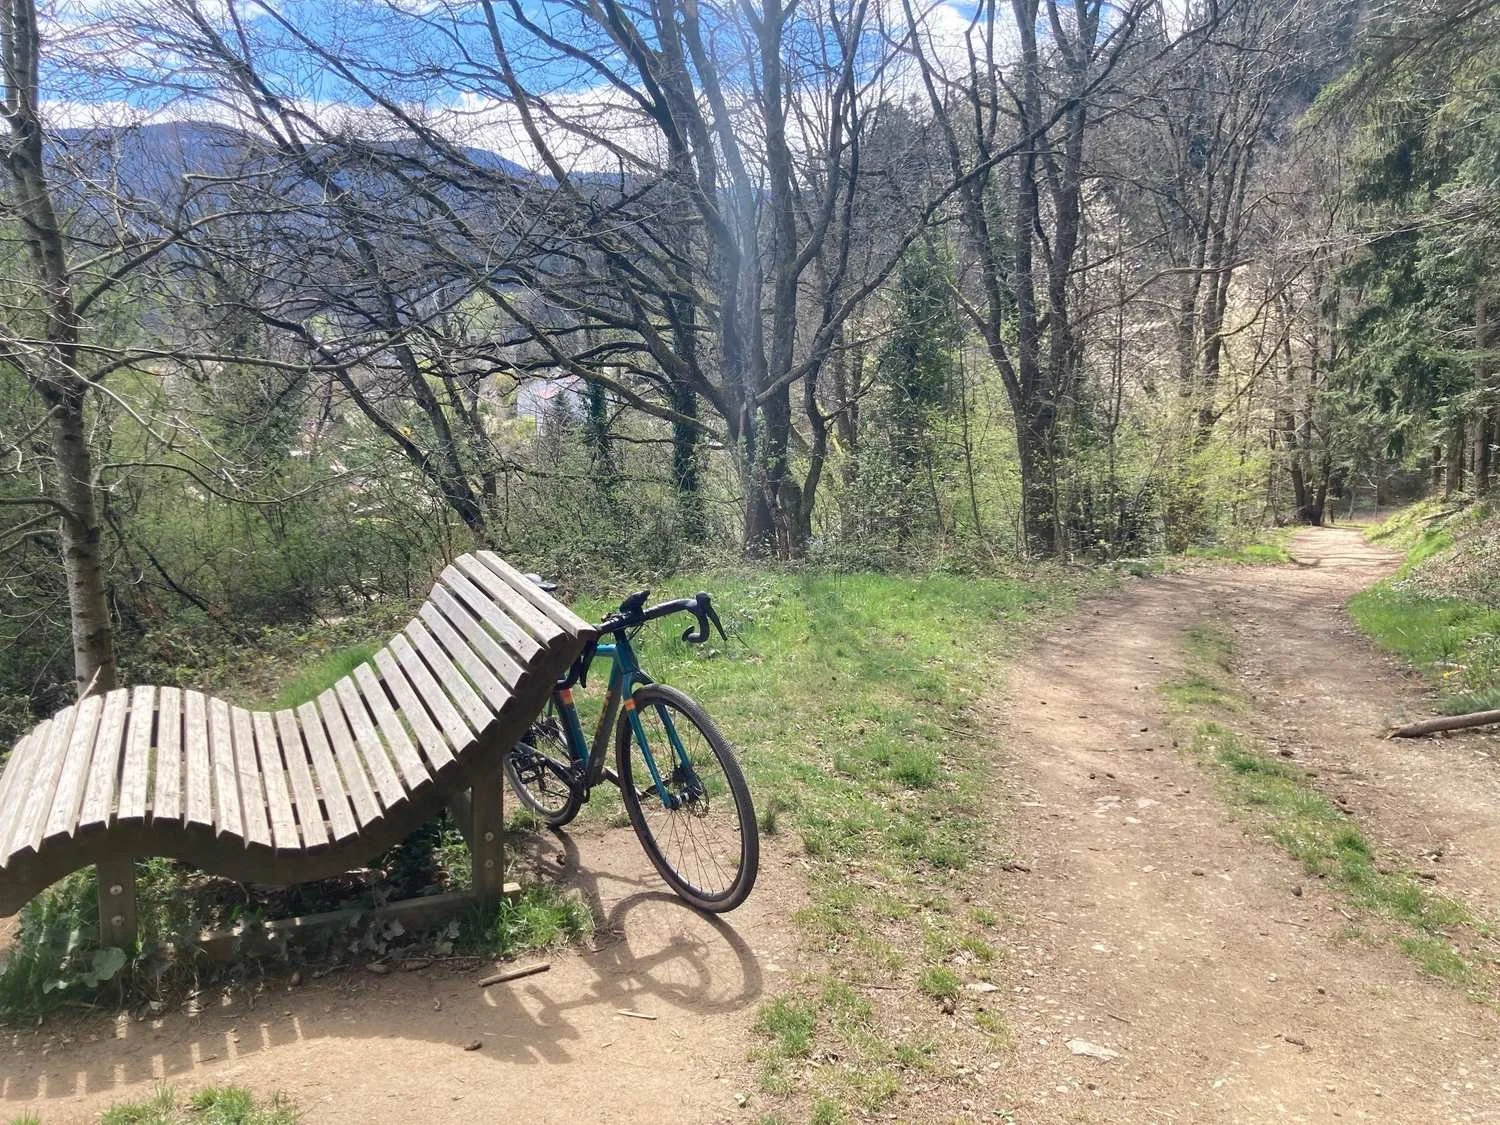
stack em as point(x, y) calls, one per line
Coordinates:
point(510, 600)
point(549, 605)
point(104, 766)
point(278, 801)
point(500, 662)
point(166, 798)
point(371, 750)
point(392, 732)
point(310, 819)
point(521, 643)
point(226, 774)
point(197, 759)
point(15, 785)
point(417, 719)
point(453, 681)
point(135, 770)
point(351, 769)
point(460, 733)
point(474, 667)
point(67, 800)
point(256, 779)
point(31, 824)
point(325, 780)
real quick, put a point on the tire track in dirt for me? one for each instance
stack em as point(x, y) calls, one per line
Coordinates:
point(1154, 925)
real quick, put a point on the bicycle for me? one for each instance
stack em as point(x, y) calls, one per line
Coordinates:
point(678, 777)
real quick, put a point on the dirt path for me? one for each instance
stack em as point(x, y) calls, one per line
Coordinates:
point(358, 1048)
point(1153, 925)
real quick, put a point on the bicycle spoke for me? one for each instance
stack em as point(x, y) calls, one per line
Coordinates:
point(700, 838)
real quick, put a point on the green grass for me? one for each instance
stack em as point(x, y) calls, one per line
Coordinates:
point(939, 982)
point(1326, 841)
point(541, 916)
point(213, 1105)
point(788, 1023)
point(1267, 548)
point(1453, 641)
point(1285, 803)
point(1208, 682)
point(313, 679)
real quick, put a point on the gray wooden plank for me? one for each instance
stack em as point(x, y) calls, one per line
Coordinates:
point(414, 770)
point(310, 819)
point(346, 754)
point(15, 784)
point(459, 733)
point(32, 823)
point(450, 677)
point(197, 760)
point(478, 602)
point(104, 765)
point(166, 771)
point(458, 650)
point(226, 774)
point(62, 818)
point(249, 776)
point(273, 778)
point(325, 781)
point(372, 750)
point(500, 662)
point(135, 769)
point(549, 605)
point(509, 600)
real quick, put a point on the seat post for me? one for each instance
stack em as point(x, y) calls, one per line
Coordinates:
point(117, 920)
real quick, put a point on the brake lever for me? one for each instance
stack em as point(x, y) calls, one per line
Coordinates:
point(713, 616)
point(698, 634)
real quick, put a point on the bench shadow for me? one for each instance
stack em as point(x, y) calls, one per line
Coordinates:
point(650, 953)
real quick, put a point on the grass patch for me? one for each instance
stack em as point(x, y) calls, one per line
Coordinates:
point(1267, 548)
point(1456, 643)
point(1328, 843)
point(939, 982)
point(1418, 615)
point(788, 1024)
point(1208, 682)
point(312, 680)
point(213, 1105)
point(540, 917)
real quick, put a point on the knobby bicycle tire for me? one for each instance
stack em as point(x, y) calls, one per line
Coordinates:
point(659, 821)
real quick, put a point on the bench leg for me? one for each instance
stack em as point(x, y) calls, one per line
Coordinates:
point(487, 837)
point(117, 902)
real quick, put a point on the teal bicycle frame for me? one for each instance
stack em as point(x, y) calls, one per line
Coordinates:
point(588, 757)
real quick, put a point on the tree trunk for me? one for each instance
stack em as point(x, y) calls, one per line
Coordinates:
point(1453, 476)
point(88, 604)
point(1034, 438)
point(54, 375)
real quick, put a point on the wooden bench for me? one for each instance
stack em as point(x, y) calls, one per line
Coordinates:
point(299, 794)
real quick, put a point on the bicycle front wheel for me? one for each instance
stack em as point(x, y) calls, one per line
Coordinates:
point(698, 824)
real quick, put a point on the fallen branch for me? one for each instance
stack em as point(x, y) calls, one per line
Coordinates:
point(515, 974)
point(1446, 722)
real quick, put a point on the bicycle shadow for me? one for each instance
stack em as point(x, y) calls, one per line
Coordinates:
point(409, 1037)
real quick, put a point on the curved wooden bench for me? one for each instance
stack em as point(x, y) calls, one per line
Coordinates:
point(298, 794)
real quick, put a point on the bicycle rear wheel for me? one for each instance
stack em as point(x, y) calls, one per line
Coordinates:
point(540, 770)
point(703, 839)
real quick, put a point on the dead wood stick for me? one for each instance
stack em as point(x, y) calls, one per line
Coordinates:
point(515, 974)
point(1446, 722)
